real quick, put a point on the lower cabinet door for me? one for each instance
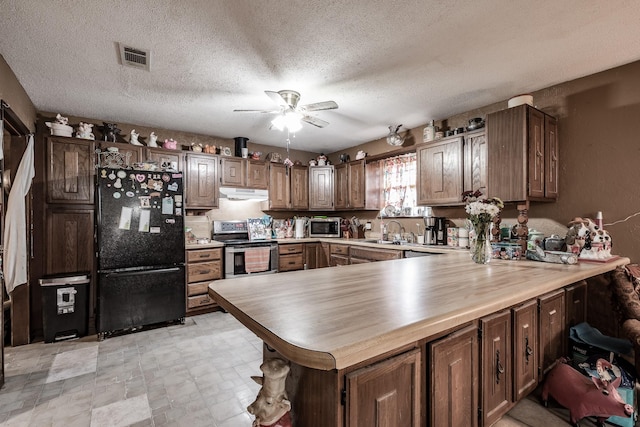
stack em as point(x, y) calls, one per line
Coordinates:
point(386, 394)
point(496, 372)
point(525, 349)
point(552, 329)
point(453, 379)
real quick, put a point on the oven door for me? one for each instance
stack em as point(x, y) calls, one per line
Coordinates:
point(234, 257)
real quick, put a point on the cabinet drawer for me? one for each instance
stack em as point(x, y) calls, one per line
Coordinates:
point(291, 262)
point(339, 260)
point(202, 271)
point(339, 249)
point(198, 288)
point(374, 254)
point(196, 255)
point(199, 301)
point(295, 248)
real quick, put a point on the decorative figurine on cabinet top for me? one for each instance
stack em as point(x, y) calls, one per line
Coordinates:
point(110, 132)
point(134, 138)
point(170, 144)
point(152, 140)
point(84, 131)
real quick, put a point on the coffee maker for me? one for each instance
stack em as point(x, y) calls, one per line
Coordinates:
point(429, 230)
point(441, 230)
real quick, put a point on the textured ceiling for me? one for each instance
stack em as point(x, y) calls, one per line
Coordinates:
point(385, 62)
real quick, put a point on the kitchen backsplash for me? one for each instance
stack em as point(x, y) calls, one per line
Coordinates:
point(228, 210)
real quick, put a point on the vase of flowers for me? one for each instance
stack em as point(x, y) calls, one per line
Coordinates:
point(481, 214)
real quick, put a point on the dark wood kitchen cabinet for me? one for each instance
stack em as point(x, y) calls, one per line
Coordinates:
point(69, 240)
point(203, 266)
point(71, 171)
point(130, 154)
point(238, 172)
point(373, 185)
point(525, 349)
point(349, 184)
point(496, 372)
point(475, 162)
point(387, 393)
point(201, 181)
point(321, 192)
point(299, 176)
point(440, 171)
point(453, 379)
point(522, 154)
point(576, 303)
point(316, 255)
point(69, 212)
point(552, 329)
point(291, 257)
point(288, 187)
point(361, 255)
point(165, 158)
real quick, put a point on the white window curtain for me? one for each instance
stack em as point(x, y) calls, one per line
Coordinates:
point(399, 181)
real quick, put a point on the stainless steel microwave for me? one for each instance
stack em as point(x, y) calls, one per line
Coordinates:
point(324, 227)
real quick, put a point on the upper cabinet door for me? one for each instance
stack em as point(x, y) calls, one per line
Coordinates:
point(166, 158)
point(299, 176)
point(357, 184)
point(201, 184)
point(373, 185)
point(321, 188)
point(440, 172)
point(536, 153)
point(256, 174)
point(341, 184)
point(279, 190)
point(127, 154)
point(233, 172)
point(551, 157)
point(71, 170)
point(475, 163)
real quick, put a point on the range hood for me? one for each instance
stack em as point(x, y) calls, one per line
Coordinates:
point(233, 193)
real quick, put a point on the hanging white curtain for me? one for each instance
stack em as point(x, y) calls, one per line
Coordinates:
point(15, 262)
point(400, 181)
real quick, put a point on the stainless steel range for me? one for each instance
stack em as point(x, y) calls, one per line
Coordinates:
point(243, 256)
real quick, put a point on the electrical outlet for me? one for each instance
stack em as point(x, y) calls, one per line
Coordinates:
point(367, 226)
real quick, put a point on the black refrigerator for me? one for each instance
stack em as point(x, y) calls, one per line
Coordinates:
point(140, 248)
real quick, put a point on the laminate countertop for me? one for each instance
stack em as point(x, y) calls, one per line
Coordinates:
point(335, 317)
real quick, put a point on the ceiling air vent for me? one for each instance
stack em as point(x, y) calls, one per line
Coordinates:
point(136, 58)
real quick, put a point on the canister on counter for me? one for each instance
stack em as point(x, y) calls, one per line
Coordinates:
point(452, 236)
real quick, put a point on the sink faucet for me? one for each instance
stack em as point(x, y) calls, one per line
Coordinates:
point(399, 225)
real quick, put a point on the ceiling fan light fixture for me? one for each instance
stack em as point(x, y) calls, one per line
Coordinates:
point(290, 120)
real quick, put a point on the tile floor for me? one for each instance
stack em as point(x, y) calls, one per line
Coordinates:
point(196, 374)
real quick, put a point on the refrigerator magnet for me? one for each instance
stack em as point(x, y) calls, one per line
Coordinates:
point(145, 201)
point(116, 195)
point(178, 211)
point(166, 177)
point(144, 221)
point(167, 206)
point(112, 176)
point(125, 218)
point(155, 230)
point(173, 186)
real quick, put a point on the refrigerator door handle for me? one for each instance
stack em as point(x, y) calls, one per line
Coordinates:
point(143, 272)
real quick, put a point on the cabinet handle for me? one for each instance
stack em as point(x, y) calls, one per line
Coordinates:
point(205, 301)
point(292, 262)
point(499, 367)
point(528, 350)
point(204, 256)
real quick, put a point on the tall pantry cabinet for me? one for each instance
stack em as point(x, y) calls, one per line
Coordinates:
point(69, 211)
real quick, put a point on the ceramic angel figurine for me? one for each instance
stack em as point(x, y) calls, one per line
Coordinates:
point(153, 138)
point(134, 138)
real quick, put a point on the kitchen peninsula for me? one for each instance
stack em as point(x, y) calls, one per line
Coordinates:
point(368, 335)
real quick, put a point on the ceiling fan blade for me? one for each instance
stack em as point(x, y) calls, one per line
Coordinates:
point(317, 106)
point(315, 121)
point(257, 111)
point(277, 98)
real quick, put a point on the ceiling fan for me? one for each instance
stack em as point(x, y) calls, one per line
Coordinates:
point(290, 114)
